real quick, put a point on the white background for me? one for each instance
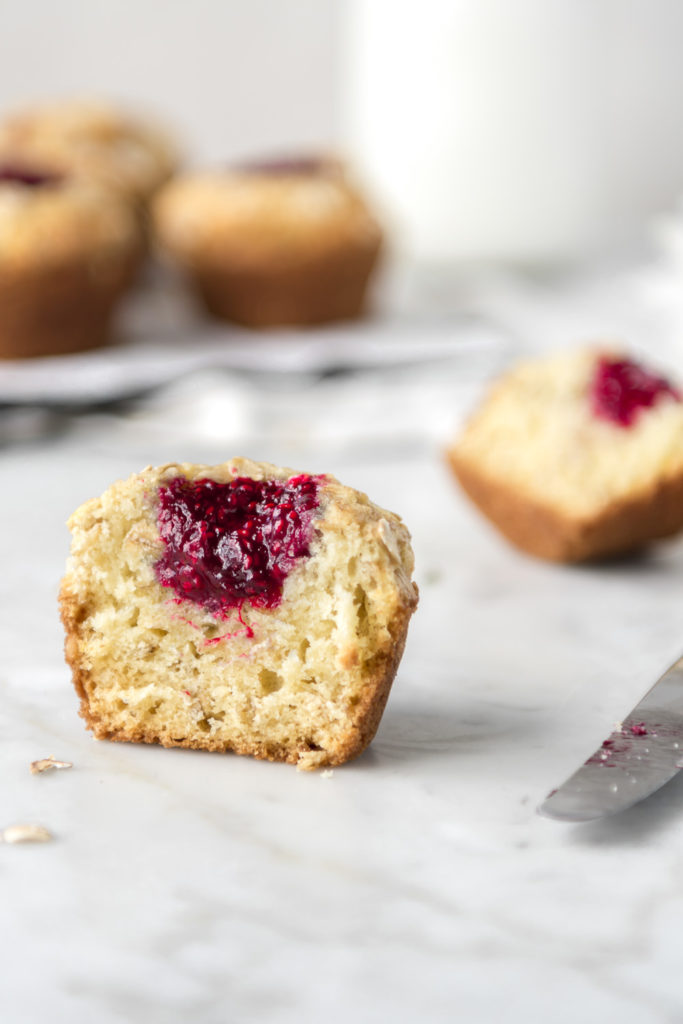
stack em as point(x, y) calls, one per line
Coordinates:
point(231, 77)
point(514, 129)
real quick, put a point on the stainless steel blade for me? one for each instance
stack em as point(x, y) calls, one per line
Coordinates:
point(637, 758)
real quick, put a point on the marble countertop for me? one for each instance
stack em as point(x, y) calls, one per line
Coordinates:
point(414, 884)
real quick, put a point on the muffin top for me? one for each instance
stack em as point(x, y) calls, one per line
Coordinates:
point(46, 219)
point(92, 141)
point(276, 210)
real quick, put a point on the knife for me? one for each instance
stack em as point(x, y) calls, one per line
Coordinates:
point(642, 753)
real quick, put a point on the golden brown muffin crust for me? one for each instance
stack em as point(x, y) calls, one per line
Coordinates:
point(246, 218)
point(69, 221)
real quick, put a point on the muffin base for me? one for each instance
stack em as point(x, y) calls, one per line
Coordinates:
point(333, 288)
point(350, 743)
point(620, 528)
point(54, 310)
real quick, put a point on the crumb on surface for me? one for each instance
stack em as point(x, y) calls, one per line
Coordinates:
point(26, 834)
point(46, 764)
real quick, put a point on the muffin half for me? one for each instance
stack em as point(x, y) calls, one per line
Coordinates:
point(237, 607)
point(577, 456)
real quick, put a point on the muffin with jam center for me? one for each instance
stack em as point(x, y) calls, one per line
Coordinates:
point(68, 251)
point(577, 455)
point(239, 607)
point(280, 243)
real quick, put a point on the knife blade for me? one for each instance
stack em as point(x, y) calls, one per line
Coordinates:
point(636, 759)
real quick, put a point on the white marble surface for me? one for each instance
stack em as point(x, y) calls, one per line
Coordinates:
point(415, 884)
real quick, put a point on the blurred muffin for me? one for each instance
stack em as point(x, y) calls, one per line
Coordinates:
point(288, 242)
point(577, 456)
point(90, 141)
point(68, 250)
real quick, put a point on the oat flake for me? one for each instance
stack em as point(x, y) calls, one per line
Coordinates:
point(26, 834)
point(46, 764)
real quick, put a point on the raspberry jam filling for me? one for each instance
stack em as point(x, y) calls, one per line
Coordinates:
point(16, 174)
point(621, 388)
point(234, 542)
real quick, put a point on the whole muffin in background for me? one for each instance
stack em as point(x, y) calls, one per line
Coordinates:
point(68, 251)
point(279, 243)
point(92, 141)
point(577, 456)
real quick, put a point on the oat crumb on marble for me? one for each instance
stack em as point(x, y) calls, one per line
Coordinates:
point(46, 764)
point(26, 834)
point(326, 774)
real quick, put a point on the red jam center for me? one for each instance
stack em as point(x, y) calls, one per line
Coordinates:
point(16, 174)
point(230, 543)
point(621, 388)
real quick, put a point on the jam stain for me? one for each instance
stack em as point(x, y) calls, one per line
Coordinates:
point(227, 543)
point(16, 174)
point(620, 743)
point(638, 729)
point(621, 388)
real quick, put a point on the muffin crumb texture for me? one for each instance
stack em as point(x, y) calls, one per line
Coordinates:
point(302, 679)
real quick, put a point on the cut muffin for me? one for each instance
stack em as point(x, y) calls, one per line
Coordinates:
point(272, 244)
point(237, 607)
point(577, 456)
point(91, 141)
point(68, 251)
